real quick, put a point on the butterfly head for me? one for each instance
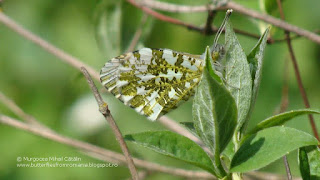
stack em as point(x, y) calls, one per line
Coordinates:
point(218, 52)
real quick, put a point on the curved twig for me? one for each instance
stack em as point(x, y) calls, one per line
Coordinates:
point(169, 7)
point(108, 155)
point(298, 76)
point(74, 62)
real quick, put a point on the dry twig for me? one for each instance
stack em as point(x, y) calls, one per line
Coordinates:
point(169, 7)
point(98, 152)
point(103, 108)
point(137, 34)
point(65, 57)
point(298, 76)
point(106, 154)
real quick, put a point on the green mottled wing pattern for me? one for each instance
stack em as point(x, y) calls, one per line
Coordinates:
point(152, 81)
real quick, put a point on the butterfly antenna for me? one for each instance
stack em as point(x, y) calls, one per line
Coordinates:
point(221, 28)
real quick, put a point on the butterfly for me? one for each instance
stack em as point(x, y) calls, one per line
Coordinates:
point(155, 81)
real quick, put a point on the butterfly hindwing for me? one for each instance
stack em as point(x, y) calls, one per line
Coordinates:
point(152, 81)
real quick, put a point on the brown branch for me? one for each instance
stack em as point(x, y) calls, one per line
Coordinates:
point(163, 17)
point(10, 104)
point(67, 58)
point(91, 150)
point(176, 127)
point(207, 30)
point(171, 20)
point(108, 155)
point(298, 76)
point(208, 27)
point(74, 62)
point(137, 34)
point(103, 108)
point(287, 166)
point(237, 8)
point(113, 157)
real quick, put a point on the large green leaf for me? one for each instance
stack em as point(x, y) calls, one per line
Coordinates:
point(107, 20)
point(173, 145)
point(238, 77)
point(255, 60)
point(267, 146)
point(309, 162)
point(280, 119)
point(214, 113)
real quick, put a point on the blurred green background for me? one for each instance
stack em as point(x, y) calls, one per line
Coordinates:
point(58, 96)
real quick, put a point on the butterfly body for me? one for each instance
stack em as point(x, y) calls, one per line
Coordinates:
point(152, 81)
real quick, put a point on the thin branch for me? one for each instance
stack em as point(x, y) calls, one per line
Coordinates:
point(138, 33)
point(208, 27)
point(203, 30)
point(298, 76)
point(19, 112)
point(163, 17)
point(91, 150)
point(67, 58)
point(74, 62)
point(176, 127)
point(207, 30)
point(265, 176)
point(142, 175)
point(108, 155)
point(175, 8)
point(286, 164)
point(169, 7)
point(283, 107)
point(113, 157)
point(103, 108)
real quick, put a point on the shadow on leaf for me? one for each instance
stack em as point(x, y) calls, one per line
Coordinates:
point(247, 150)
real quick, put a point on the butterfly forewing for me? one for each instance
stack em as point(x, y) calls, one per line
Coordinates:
point(152, 81)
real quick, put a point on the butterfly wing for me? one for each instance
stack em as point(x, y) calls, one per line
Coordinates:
point(152, 81)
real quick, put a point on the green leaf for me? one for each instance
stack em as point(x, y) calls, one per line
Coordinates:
point(107, 19)
point(304, 164)
point(228, 153)
point(173, 145)
point(280, 119)
point(313, 156)
point(267, 146)
point(214, 113)
point(210, 66)
point(255, 60)
point(238, 78)
point(190, 127)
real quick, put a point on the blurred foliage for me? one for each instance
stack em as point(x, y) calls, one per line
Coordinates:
point(47, 88)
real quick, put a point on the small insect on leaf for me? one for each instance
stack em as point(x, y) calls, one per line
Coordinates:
point(154, 81)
